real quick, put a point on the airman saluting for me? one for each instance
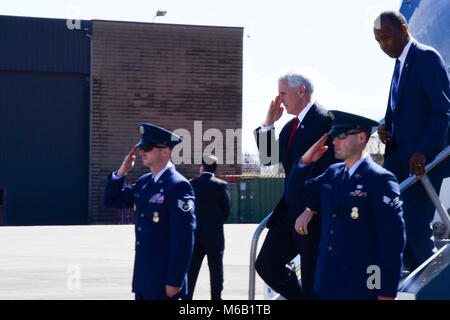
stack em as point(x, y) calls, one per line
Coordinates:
point(361, 209)
point(163, 203)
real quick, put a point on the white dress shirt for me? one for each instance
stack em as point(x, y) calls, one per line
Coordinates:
point(402, 57)
point(355, 166)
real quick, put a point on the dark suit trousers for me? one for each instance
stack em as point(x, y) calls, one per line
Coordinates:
point(281, 245)
point(214, 253)
point(418, 213)
point(308, 248)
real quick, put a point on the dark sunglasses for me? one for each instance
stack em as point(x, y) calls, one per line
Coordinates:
point(343, 135)
point(150, 147)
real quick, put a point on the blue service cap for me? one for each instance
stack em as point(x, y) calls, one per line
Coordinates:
point(344, 121)
point(151, 135)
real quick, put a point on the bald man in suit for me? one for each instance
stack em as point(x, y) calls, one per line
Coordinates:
point(416, 127)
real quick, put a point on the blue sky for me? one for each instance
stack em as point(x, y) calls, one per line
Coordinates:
point(329, 40)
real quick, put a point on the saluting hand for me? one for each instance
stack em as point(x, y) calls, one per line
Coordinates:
point(316, 151)
point(128, 163)
point(385, 135)
point(275, 112)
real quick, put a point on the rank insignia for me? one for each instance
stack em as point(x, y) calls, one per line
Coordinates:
point(354, 215)
point(155, 217)
point(186, 205)
point(134, 207)
point(391, 202)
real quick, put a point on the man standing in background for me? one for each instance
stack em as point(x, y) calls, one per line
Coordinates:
point(212, 209)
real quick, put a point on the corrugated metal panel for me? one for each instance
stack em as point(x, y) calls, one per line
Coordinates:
point(44, 130)
point(258, 197)
point(44, 122)
point(43, 45)
point(234, 195)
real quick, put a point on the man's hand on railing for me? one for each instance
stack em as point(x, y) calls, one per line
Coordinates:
point(316, 151)
point(417, 165)
point(384, 135)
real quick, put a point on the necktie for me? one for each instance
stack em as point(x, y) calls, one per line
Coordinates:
point(294, 128)
point(150, 183)
point(344, 179)
point(395, 78)
point(346, 176)
point(394, 92)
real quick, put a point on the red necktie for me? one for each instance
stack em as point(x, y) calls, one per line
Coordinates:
point(294, 127)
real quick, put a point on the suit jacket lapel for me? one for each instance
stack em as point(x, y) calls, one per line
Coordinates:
point(156, 186)
point(405, 72)
point(303, 128)
point(337, 188)
point(143, 193)
point(359, 173)
point(349, 186)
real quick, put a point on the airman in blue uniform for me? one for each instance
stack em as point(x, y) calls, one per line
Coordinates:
point(163, 203)
point(363, 233)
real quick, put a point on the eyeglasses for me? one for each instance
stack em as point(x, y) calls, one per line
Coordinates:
point(343, 135)
point(150, 147)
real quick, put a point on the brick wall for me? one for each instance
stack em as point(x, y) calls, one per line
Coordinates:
point(168, 75)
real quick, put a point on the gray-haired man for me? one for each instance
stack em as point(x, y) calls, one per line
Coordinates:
point(282, 243)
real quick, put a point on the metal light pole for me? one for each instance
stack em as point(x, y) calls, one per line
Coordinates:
point(159, 13)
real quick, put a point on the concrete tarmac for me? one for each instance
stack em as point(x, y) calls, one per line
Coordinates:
point(96, 263)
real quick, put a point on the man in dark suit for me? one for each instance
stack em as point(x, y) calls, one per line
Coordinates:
point(282, 243)
point(212, 209)
point(416, 126)
point(363, 234)
point(163, 203)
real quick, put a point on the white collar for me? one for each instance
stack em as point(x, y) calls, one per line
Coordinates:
point(405, 51)
point(355, 166)
point(305, 110)
point(160, 173)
